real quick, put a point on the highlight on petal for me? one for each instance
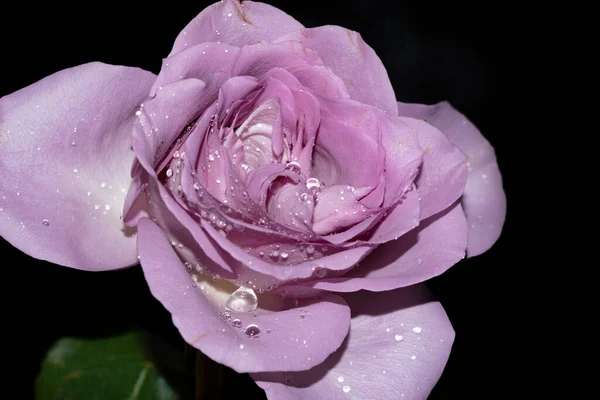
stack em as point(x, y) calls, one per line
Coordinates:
point(65, 161)
point(398, 346)
point(236, 23)
point(483, 200)
point(277, 335)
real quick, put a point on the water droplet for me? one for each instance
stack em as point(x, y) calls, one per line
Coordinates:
point(398, 337)
point(268, 331)
point(169, 172)
point(218, 181)
point(340, 379)
point(46, 222)
point(236, 323)
point(284, 255)
point(320, 272)
point(293, 166)
point(417, 329)
point(252, 331)
point(313, 183)
point(73, 143)
point(346, 389)
point(242, 347)
point(107, 207)
point(413, 357)
point(138, 113)
point(211, 157)
point(243, 300)
point(310, 249)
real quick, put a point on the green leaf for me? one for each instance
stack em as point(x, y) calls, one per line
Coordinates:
point(130, 366)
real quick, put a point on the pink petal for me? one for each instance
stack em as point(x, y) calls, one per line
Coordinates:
point(338, 147)
point(338, 208)
point(403, 157)
point(483, 200)
point(443, 174)
point(236, 23)
point(65, 160)
point(353, 61)
point(315, 328)
point(427, 251)
point(398, 346)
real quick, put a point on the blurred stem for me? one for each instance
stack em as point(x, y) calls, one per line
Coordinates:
point(207, 373)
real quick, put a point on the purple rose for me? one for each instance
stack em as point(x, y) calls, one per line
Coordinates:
point(281, 202)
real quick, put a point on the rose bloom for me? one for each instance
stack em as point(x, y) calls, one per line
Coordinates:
point(283, 205)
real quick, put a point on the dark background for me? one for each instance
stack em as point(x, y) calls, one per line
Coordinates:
point(453, 51)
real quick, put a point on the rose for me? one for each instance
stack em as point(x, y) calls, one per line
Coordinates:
point(61, 202)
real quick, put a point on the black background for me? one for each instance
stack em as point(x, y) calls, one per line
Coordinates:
point(453, 51)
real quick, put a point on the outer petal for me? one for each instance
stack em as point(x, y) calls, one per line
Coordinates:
point(483, 200)
point(354, 61)
point(236, 23)
point(65, 160)
point(315, 330)
point(427, 251)
point(443, 173)
point(398, 346)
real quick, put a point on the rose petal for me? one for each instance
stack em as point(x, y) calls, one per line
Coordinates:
point(427, 251)
point(443, 173)
point(403, 157)
point(483, 200)
point(339, 262)
point(319, 325)
point(398, 346)
point(65, 160)
point(337, 148)
point(337, 208)
point(354, 61)
point(400, 218)
point(207, 62)
point(236, 23)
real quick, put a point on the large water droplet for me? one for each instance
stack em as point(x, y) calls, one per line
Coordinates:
point(293, 166)
point(243, 300)
point(313, 183)
point(252, 331)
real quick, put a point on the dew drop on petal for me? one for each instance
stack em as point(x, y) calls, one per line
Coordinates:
point(417, 329)
point(243, 300)
point(236, 323)
point(398, 337)
point(340, 379)
point(46, 222)
point(252, 331)
point(346, 389)
point(313, 183)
